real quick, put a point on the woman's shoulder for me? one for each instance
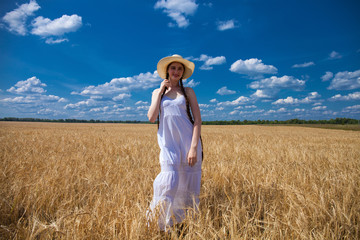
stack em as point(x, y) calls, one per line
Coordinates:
point(157, 90)
point(189, 90)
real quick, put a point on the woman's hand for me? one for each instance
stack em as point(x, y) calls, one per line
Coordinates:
point(153, 112)
point(192, 157)
point(164, 84)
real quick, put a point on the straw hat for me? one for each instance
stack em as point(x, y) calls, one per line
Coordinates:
point(164, 62)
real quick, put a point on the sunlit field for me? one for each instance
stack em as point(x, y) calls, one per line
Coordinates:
point(94, 181)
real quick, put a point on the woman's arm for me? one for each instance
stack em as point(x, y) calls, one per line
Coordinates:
point(192, 155)
point(154, 107)
point(155, 101)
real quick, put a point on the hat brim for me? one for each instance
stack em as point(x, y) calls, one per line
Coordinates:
point(164, 63)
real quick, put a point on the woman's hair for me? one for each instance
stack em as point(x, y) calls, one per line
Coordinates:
point(187, 103)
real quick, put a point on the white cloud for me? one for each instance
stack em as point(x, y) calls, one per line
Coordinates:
point(51, 98)
point(87, 103)
point(352, 110)
point(264, 93)
point(334, 55)
point(303, 65)
point(208, 65)
point(178, 10)
point(280, 110)
point(191, 83)
point(112, 94)
point(311, 97)
point(240, 100)
point(248, 113)
point(123, 109)
point(121, 96)
point(100, 109)
point(213, 100)
point(209, 62)
point(355, 107)
point(251, 67)
point(115, 91)
point(204, 105)
point(345, 81)
point(327, 76)
point(143, 107)
point(37, 99)
point(349, 97)
point(56, 41)
point(124, 84)
point(251, 106)
point(45, 27)
point(226, 25)
point(319, 108)
point(16, 19)
point(48, 111)
point(234, 112)
point(215, 61)
point(21, 100)
point(30, 86)
point(258, 111)
point(33, 99)
point(225, 91)
point(290, 100)
point(284, 82)
point(141, 103)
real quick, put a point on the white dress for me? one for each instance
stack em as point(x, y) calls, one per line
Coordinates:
point(177, 186)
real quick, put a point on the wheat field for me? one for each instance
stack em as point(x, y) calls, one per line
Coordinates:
point(94, 181)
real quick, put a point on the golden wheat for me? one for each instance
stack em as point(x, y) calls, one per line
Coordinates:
point(94, 181)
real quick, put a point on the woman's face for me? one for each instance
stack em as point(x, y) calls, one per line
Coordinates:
point(176, 71)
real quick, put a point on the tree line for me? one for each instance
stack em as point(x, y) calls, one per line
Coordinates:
point(342, 121)
point(66, 120)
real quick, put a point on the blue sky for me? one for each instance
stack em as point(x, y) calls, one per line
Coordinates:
point(255, 59)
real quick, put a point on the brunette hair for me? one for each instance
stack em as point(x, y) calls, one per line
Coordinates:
point(187, 105)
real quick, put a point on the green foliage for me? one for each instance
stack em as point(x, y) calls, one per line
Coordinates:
point(66, 120)
point(342, 121)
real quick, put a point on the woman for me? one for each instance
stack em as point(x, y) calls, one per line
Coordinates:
point(177, 187)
